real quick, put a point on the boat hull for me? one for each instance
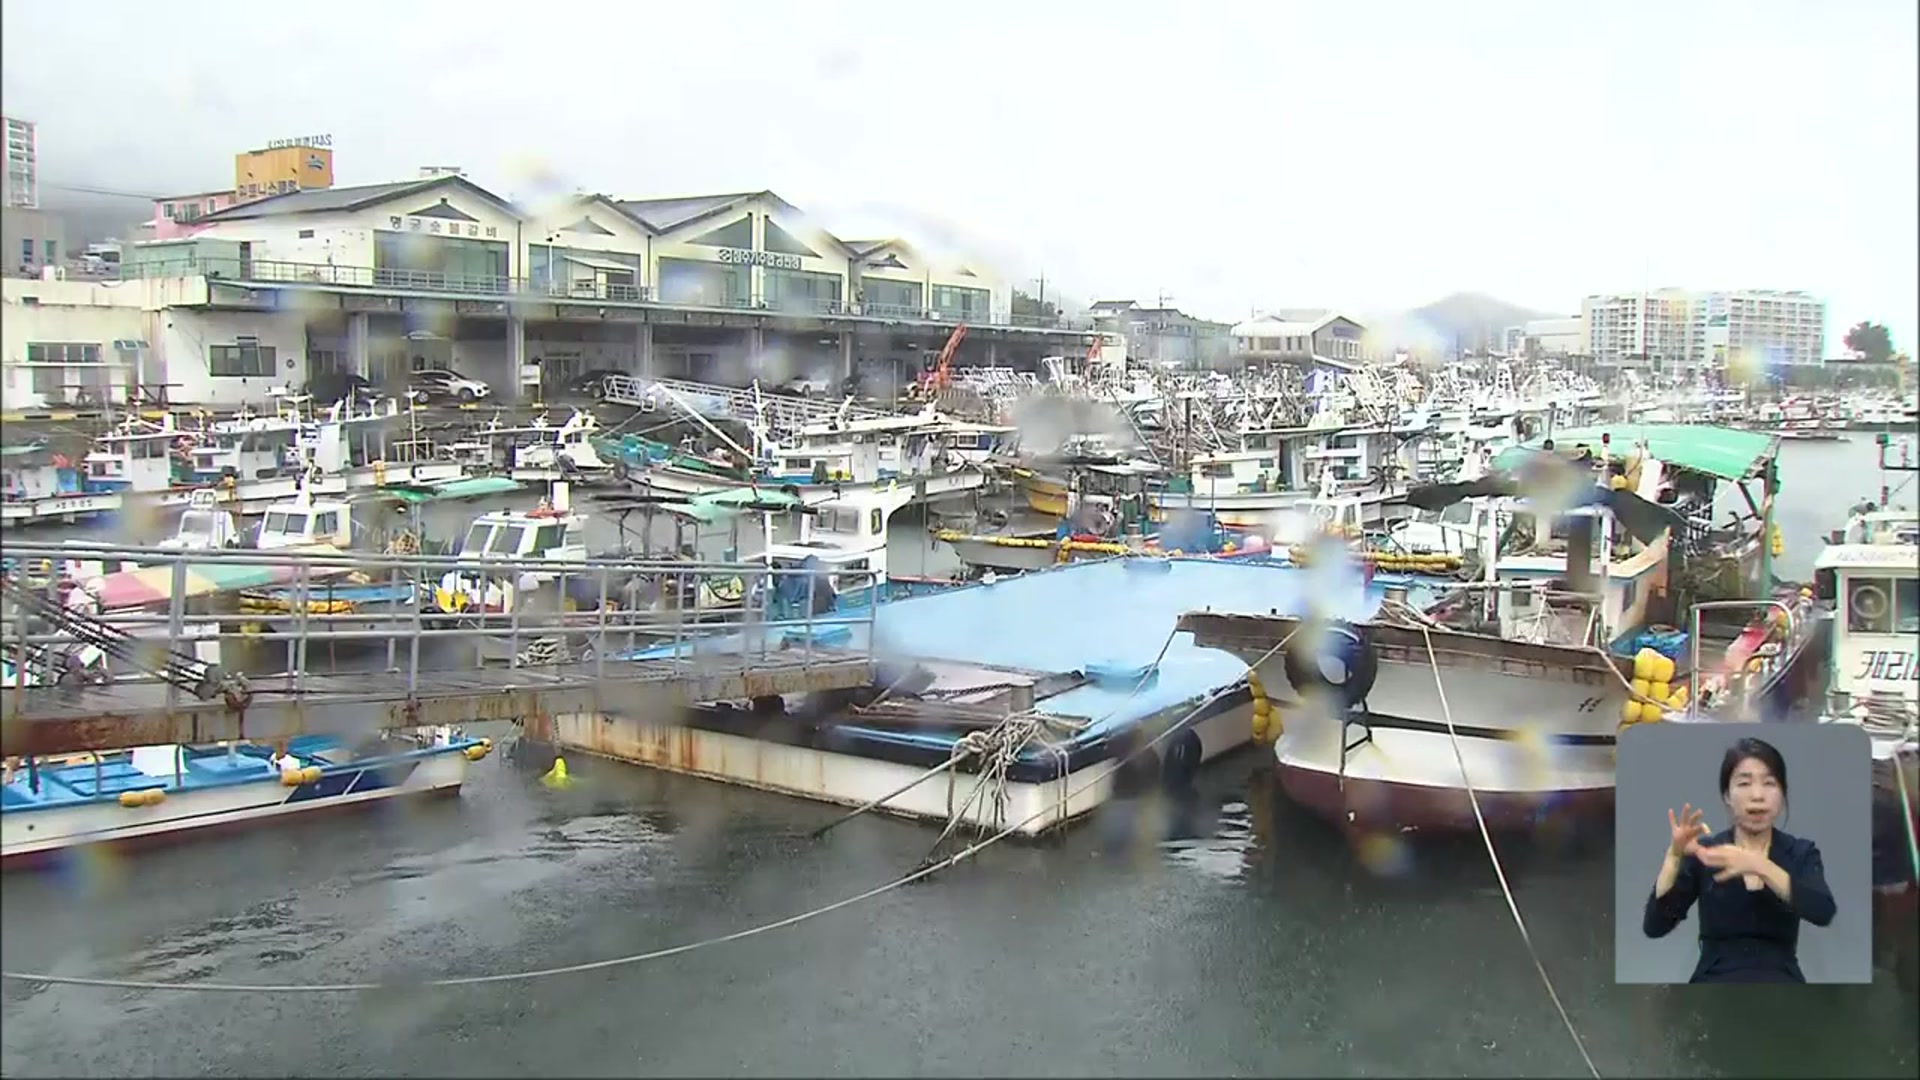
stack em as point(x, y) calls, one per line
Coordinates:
point(852, 779)
point(28, 835)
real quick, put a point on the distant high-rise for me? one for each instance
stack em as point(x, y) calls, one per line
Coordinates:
point(23, 164)
point(1675, 328)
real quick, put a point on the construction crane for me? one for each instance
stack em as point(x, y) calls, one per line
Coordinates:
point(940, 376)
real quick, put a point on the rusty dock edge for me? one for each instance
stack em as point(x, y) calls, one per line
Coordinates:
point(117, 719)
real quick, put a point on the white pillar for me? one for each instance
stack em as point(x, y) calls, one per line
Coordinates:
point(846, 354)
point(643, 349)
point(357, 343)
point(516, 354)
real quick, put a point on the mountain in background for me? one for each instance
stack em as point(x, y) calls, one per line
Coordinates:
point(1463, 321)
point(92, 217)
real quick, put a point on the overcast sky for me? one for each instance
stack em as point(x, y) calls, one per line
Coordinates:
point(1366, 154)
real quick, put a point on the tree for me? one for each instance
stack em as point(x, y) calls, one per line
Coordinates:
point(1870, 342)
point(1028, 306)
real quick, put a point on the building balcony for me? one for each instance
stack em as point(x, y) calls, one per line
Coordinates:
point(332, 276)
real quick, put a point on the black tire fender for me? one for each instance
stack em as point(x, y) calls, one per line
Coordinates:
point(1351, 645)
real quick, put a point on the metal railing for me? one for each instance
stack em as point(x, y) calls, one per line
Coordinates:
point(1791, 638)
point(334, 275)
point(569, 621)
point(781, 411)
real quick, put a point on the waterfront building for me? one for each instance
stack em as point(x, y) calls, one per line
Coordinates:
point(1676, 329)
point(384, 279)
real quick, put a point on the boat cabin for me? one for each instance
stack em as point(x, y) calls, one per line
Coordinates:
point(203, 526)
point(567, 447)
point(138, 457)
point(33, 471)
point(1875, 590)
point(545, 532)
point(304, 522)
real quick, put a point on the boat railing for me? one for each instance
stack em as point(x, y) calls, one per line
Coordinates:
point(1794, 627)
point(611, 618)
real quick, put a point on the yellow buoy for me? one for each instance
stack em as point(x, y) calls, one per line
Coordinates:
point(1679, 698)
point(557, 777)
point(1660, 691)
point(1663, 668)
point(1629, 712)
point(310, 774)
point(133, 798)
point(290, 777)
point(1642, 688)
point(153, 797)
point(1643, 662)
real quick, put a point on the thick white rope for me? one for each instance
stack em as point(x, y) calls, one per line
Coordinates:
point(1506, 890)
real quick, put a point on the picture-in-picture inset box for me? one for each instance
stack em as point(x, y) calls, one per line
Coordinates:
point(1743, 854)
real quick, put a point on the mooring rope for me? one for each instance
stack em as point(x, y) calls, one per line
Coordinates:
point(1506, 890)
point(656, 954)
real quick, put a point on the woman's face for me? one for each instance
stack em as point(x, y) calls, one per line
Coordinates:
point(1753, 795)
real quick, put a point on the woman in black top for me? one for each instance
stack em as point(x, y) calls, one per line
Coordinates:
point(1754, 882)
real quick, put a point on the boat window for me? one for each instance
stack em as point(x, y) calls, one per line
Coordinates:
point(1222, 470)
point(506, 540)
point(1457, 514)
point(326, 524)
point(548, 537)
point(281, 521)
point(197, 524)
point(852, 575)
point(1906, 607)
point(873, 521)
point(476, 541)
point(1869, 606)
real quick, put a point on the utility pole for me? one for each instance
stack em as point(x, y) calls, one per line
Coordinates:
point(1041, 300)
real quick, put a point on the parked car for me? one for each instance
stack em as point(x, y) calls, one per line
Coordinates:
point(445, 383)
point(591, 384)
point(326, 389)
point(807, 386)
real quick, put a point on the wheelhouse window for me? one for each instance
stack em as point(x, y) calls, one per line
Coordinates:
point(285, 522)
point(476, 541)
point(506, 540)
point(1906, 606)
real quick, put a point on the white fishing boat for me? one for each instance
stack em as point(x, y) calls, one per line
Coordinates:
point(53, 805)
point(1537, 660)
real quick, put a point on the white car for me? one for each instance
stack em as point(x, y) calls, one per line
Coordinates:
point(446, 383)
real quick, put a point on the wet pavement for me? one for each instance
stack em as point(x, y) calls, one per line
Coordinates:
point(1252, 941)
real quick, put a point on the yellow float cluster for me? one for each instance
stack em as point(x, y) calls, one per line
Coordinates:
point(1393, 561)
point(479, 750)
point(1266, 721)
point(1777, 542)
point(1652, 679)
point(148, 797)
point(297, 777)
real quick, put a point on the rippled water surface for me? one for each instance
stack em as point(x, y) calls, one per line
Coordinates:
point(1251, 941)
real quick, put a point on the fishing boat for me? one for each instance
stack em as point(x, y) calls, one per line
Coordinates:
point(153, 792)
point(1529, 672)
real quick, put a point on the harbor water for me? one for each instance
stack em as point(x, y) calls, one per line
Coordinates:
point(1227, 934)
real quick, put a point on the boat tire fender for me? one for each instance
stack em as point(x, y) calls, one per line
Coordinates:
point(1352, 646)
point(1181, 761)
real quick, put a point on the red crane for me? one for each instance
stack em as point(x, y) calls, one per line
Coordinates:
point(940, 376)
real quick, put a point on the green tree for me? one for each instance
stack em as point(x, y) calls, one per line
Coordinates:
point(1024, 304)
point(1871, 342)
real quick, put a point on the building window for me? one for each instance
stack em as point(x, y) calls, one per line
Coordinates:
point(65, 371)
point(245, 358)
point(53, 251)
point(328, 362)
point(306, 234)
point(168, 211)
point(882, 297)
point(26, 252)
point(968, 305)
point(799, 290)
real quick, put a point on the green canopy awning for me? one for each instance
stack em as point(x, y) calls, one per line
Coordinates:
point(1723, 452)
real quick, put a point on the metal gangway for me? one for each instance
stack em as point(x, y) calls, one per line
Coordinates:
point(778, 412)
point(324, 641)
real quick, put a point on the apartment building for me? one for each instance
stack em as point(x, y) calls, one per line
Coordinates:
point(23, 164)
point(1672, 329)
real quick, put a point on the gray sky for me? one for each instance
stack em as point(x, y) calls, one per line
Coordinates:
point(1369, 154)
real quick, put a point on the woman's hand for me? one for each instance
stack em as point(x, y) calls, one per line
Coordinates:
point(1689, 827)
point(1730, 860)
